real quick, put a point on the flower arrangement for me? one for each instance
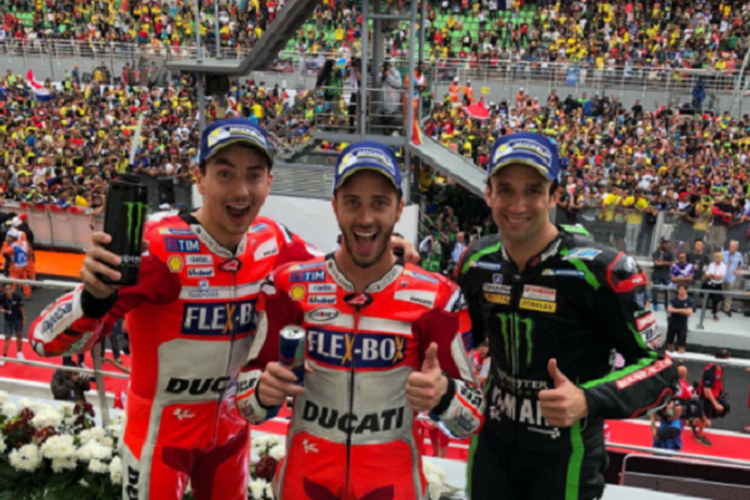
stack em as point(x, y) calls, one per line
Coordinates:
point(60, 453)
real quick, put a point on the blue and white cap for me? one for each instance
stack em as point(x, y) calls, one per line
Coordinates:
point(223, 133)
point(526, 148)
point(367, 155)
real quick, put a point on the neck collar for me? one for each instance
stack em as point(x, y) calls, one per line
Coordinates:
point(376, 286)
point(208, 240)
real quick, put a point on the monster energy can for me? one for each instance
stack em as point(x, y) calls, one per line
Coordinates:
point(292, 351)
point(124, 220)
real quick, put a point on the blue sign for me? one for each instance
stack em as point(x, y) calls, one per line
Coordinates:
point(571, 77)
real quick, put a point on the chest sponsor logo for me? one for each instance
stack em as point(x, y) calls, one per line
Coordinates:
point(493, 288)
point(539, 293)
point(582, 254)
point(322, 288)
point(200, 272)
point(230, 266)
point(420, 276)
point(204, 291)
point(497, 298)
point(421, 297)
point(183, 245)
point(258, 228)
point(197, 386)
point(266, 249)
point(321, 299)
point(487, 266)
point(330, 418)
point(308, 266)
point(504, 404)
point(323, 314)
point(199, 260)
point(175, 263)
point(218, 318)
point(56, 316)
point(644, 373)
point(176, 231)
point(497, 279)
point(538, 305)
point(566, 273)
point(365, 350)
point(297, 292)
point(308, 276)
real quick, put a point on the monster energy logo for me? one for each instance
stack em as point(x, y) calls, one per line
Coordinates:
point(511, 327)
point(136, 210)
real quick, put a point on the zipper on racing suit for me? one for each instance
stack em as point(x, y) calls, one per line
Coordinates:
point(220, 397)
point(349, 431)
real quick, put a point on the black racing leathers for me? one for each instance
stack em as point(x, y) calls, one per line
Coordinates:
point(578, 302)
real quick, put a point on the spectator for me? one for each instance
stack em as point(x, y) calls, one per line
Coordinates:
point(389, 79)
point(711, 390)
point(458, 248)
point(732, 278)
point(663, 260)
point(114, 339)
point(481, 360)
point(668, 435)
point(700, 262)
point(11, 305)
point(682, 272)
point(680, 309)
point(69, 386)
point(692, 409)
point(714, 277)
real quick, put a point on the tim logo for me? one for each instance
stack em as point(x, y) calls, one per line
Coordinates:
point(184, 245)
point(307, 276)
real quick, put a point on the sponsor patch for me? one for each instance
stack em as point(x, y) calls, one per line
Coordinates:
point(321, 299)
point(421, 297)
point(420, 276)
point(218, 318)
point(539, 293)
point(258, 228)
point(538, 305)
point(488, 266)
point(497, 298)
point(583, 254)
point(199, 260)
point(183, 245)
point(364, 350)
point(645, 321)
point(266, 249)
point(567, 273)
point(322, 288)
point(204, 291)
point(323, 314)
point(497, 279)
point(200, 272)
point(310, 265)
point(231, 266)
point(493, 288)
point(644, 373)
point(308, 276)
point(175, 263)
point(297, 292)
point(176, 231)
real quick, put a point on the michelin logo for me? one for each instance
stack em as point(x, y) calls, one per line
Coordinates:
point(361, 154)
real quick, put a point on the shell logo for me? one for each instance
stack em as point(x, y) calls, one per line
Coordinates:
point(298, 292)
point(175, 263)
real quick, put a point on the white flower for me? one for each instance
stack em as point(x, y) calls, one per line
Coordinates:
point(93, 451)
point(66, 408)
point(115, 430)
point(115, 470)
point(27, 458)
point(24, 402)
point(2, 443)
point(9, 410)
point(107, 442)
point(62, 464)
point(95, 434)
point(47, 417)
point(98, 467)
point(257, 489)
point(3, 397)
point(434, 491)
point(83, 483)
point(59, 447)
point(278, 452)
point(98, 433)
point(269, 492)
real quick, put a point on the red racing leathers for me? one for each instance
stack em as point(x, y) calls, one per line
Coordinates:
point(352, 434)
point(192, 320)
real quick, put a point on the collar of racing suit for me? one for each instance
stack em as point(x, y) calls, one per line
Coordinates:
point(209, 240)
point(549, 251)
point(376, 286)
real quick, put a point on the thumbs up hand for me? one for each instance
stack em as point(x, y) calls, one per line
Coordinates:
point(564, 405)
point(425, 388)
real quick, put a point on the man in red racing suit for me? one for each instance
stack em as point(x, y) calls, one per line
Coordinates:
point(352, 435)
point(192, 323)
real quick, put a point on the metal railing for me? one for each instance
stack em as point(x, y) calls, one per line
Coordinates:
point(570, 74)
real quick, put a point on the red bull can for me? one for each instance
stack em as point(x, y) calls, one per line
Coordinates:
point(292, 351)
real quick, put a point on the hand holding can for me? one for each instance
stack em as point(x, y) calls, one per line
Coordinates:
point(292, 351)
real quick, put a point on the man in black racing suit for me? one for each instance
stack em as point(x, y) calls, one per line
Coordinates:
point(553, 324)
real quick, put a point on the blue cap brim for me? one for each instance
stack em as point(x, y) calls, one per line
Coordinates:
point(366, 166)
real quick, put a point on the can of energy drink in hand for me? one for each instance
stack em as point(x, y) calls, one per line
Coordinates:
point(292, 351)
point(124, 220)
